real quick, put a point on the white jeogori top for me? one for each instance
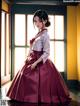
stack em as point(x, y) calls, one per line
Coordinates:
point(42, 41)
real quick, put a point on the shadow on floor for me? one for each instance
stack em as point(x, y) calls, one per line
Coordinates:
point(15, 103)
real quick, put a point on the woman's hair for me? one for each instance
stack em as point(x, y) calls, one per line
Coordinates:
point(43, 16)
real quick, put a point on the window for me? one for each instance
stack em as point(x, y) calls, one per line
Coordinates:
point(56, 32)
point(19, 29)
point(3, 45)
point(20, 41)
point(5, 48)
point(25, 30)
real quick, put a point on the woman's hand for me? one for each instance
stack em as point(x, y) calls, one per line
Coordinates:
point(33, 65)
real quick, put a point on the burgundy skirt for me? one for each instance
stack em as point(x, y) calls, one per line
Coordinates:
point(42, 84)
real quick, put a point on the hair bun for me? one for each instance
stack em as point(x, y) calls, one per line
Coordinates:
point(47, 24)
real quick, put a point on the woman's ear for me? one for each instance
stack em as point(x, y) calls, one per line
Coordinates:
point(44, 21)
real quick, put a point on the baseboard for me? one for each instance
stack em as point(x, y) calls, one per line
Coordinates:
point(73, 84)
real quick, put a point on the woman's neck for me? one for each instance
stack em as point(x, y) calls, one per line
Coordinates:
point(39, 33)
point(42, 29)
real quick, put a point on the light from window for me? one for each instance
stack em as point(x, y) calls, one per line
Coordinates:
point(52, 51)
point(19, 59)
point(51, 27)
point(59, 55)
point(7, 44)
point(20, 29)
point(3, 45)
point(59, 27)
point(31, 28)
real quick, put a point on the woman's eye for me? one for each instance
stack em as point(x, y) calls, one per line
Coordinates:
point(35, 21)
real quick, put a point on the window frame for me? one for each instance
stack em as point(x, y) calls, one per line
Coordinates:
point(6, 76)
point(51, 10)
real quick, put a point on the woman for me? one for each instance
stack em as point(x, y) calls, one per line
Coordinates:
point(39, 80)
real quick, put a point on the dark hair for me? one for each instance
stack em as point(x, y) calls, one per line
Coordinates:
point(43, 16)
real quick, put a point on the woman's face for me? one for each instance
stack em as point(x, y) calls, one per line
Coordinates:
point(39, 24)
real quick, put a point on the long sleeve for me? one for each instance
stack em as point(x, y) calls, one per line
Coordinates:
point(46, 47)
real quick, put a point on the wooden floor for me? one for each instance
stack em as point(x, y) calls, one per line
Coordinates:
point(5, 101)
point(9, 103)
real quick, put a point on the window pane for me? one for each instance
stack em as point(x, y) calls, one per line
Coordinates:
point(19, 59)
point(51, 27)
point(59, 55)
point(3, 45)
point(59, 27)
point(27, 51)
point(7, 44)
point(20, 29)
point(52, 51)
point(31, 29)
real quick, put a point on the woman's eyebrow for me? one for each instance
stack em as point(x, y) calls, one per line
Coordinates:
point(35, 21)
